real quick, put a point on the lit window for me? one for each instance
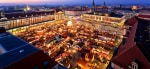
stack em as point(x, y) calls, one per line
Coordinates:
point(45, 63)
point(36, 68)
point(121, 67)
point(134, 65)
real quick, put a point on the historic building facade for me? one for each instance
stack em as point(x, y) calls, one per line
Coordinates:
point(108, 20)
point(15, 20)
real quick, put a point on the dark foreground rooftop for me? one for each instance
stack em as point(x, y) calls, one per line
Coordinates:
point(143, 37)
point(136, 46)
point(13, 49)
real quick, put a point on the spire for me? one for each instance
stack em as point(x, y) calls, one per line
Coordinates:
point(105, 7)
point(104, 3)
point(93, 4)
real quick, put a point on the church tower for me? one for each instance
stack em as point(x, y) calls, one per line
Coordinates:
point(104, 3)
point(93, 6)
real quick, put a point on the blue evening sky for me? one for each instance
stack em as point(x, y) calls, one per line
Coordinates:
point(69, 2)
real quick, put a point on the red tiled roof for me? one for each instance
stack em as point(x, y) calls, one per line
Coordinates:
point(125, 59)
point(129, 51)
point(130, 40)
point(132, 21)
point(143, 16)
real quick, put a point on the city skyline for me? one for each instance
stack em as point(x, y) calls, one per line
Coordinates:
point(70, 2)
point(74, 34)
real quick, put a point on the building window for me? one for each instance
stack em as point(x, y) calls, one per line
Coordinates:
point(129, 67)
point(36, 68)
point(45, 63)
point(112, 65)
point(121, 67)
point(134, 65)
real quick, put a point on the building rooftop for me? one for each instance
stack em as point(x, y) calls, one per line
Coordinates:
point(20, 15)
point(76, 9)
point(14, 11)
point(116, 15)
point(144, 16)
point(126, 51)
point(59, 66)
point(27, 14)
point(105, 12)
point(14, 49)
point(131, 21)
point(143, 37)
